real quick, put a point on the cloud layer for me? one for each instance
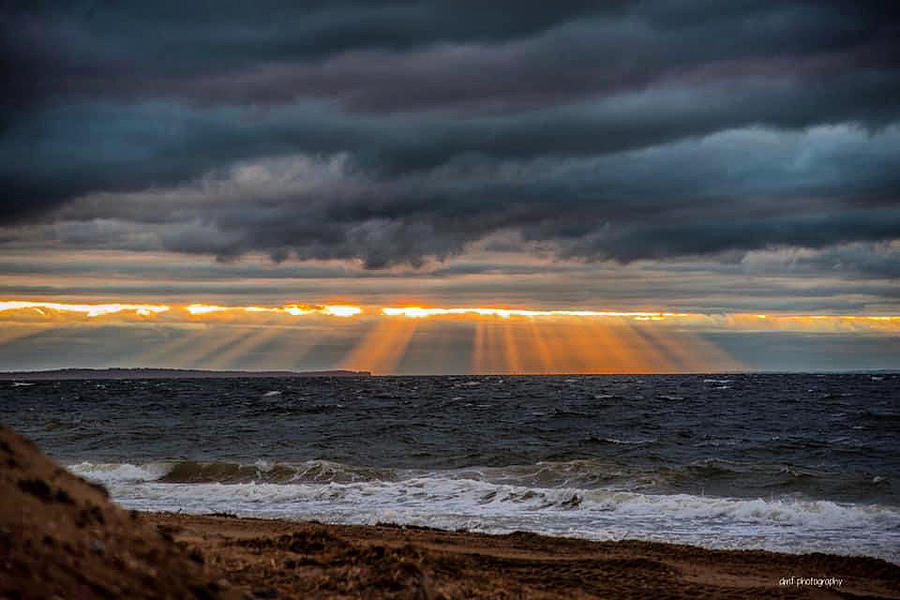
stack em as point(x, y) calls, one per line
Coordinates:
point(398, 133)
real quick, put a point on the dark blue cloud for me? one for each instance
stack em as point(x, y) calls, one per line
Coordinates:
point(622, 130)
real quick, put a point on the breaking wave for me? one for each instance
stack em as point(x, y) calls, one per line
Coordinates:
point(190, 471)
point(704, 477)
point(497, 500)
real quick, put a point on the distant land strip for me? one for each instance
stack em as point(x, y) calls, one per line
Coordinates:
point(140, 373)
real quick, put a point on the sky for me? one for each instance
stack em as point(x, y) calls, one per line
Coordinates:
point(680, 167)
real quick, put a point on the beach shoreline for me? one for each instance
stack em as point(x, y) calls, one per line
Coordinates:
point(289, 559)
point(63, 536)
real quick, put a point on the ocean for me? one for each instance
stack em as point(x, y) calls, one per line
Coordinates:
point(786, 462)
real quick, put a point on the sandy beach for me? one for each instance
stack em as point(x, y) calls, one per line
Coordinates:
point(306, 560)
point(62, 537)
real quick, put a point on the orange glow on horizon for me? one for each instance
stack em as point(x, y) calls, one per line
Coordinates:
point(340, 310)
point(90, 310)
point(743, 320)
point(500, 340)
point(417, 312)
point(204, 309)
point(295, 310)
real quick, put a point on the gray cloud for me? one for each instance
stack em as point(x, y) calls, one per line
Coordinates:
point(399, 133)
point(735, 191)
point(475, 50)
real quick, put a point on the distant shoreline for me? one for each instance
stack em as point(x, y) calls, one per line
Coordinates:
point(113, 373)
point(149, 373)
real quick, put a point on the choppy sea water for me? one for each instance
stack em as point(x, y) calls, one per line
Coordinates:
point(787, 462)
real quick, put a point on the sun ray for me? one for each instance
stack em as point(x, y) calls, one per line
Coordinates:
point(206, 355)
point(540, 345)
point(512, 349)
point(10, 335)
point(230, 358)
point(382, 348)
point(492, 352)
point(689, 352)
point(172, 347)
point(192, 350)
point(654, 358)
point(478, 352)
point(282, 346)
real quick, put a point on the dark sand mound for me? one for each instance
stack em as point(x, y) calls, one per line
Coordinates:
point(61, 537)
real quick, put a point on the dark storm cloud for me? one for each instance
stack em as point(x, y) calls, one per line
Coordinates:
point(55, 48)
point(607, 130)
point(746, 189)
point(700, 236)
point(275, 51)
point(565, 64)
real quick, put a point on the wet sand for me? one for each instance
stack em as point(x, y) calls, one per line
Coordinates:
point(309, 560)
point(61, 537)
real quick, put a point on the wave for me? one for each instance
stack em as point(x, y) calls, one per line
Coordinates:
point(586, 473)
point(619, 442)
point(190, 471)
point(470, 499)
point(710, 476)
point(319, 480)
point(110, 473)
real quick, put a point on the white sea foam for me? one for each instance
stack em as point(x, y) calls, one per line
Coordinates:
point(112, 473)
point(480, 500)
point(612, 440)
